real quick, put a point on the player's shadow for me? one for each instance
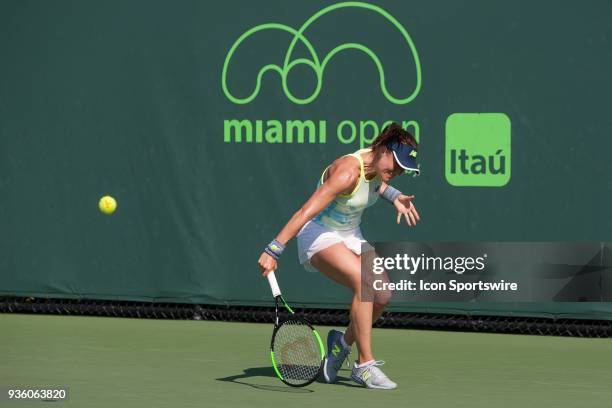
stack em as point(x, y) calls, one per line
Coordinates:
point(269, 372)
point(262, 372)
point(341, 379)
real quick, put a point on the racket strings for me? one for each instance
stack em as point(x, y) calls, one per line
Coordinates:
point(297, 352)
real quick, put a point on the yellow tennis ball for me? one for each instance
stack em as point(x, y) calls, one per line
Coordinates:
point(107, 205)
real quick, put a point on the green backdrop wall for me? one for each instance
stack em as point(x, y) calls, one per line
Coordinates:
point(126, 98)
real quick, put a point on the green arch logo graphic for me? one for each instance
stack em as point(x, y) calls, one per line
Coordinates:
point(315, 62)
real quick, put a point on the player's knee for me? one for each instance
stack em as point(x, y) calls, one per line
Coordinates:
point(382, 298)
point(363, 288)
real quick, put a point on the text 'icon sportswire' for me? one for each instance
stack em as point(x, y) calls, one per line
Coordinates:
point(478, 149)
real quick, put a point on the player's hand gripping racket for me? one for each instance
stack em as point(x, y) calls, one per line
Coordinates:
point(296, 349)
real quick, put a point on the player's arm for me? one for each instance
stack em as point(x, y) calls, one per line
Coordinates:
point(339, 182)
point(342, 179)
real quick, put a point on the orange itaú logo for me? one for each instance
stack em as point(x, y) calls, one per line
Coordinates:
point(315, 62)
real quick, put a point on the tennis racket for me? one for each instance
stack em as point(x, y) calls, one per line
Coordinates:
point(296, 349)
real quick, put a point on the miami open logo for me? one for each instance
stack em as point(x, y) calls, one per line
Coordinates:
point(348, 131)
point(317, 63)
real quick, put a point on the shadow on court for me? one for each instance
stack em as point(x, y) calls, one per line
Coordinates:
point(262, 372)
point(341, 380)
point(269, 372)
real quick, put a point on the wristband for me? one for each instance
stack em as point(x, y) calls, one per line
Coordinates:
point(274, 249)
point(390, 194)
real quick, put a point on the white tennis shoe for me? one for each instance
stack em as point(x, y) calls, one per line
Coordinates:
point(370, 376)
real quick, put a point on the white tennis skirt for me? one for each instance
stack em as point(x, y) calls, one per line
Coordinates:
point(314, 237)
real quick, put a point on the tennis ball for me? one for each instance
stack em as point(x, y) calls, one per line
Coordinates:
point(107, 205)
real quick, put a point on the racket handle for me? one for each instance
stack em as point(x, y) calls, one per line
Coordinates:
point(273, 284)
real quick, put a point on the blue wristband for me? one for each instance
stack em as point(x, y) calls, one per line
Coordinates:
point(391, 193)
point(274, 249)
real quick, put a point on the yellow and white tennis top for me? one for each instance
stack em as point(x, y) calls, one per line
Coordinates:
point(344, 213)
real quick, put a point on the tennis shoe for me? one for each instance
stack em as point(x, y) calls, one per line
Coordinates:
point(336, 354)
point(370, 376)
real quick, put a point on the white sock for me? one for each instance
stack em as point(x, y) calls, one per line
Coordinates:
point(363, 364)
point(343, 342)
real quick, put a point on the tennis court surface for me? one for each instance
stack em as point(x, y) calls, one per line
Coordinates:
point(154, 363)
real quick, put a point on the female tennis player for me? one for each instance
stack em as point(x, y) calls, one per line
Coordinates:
point(329, 240)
